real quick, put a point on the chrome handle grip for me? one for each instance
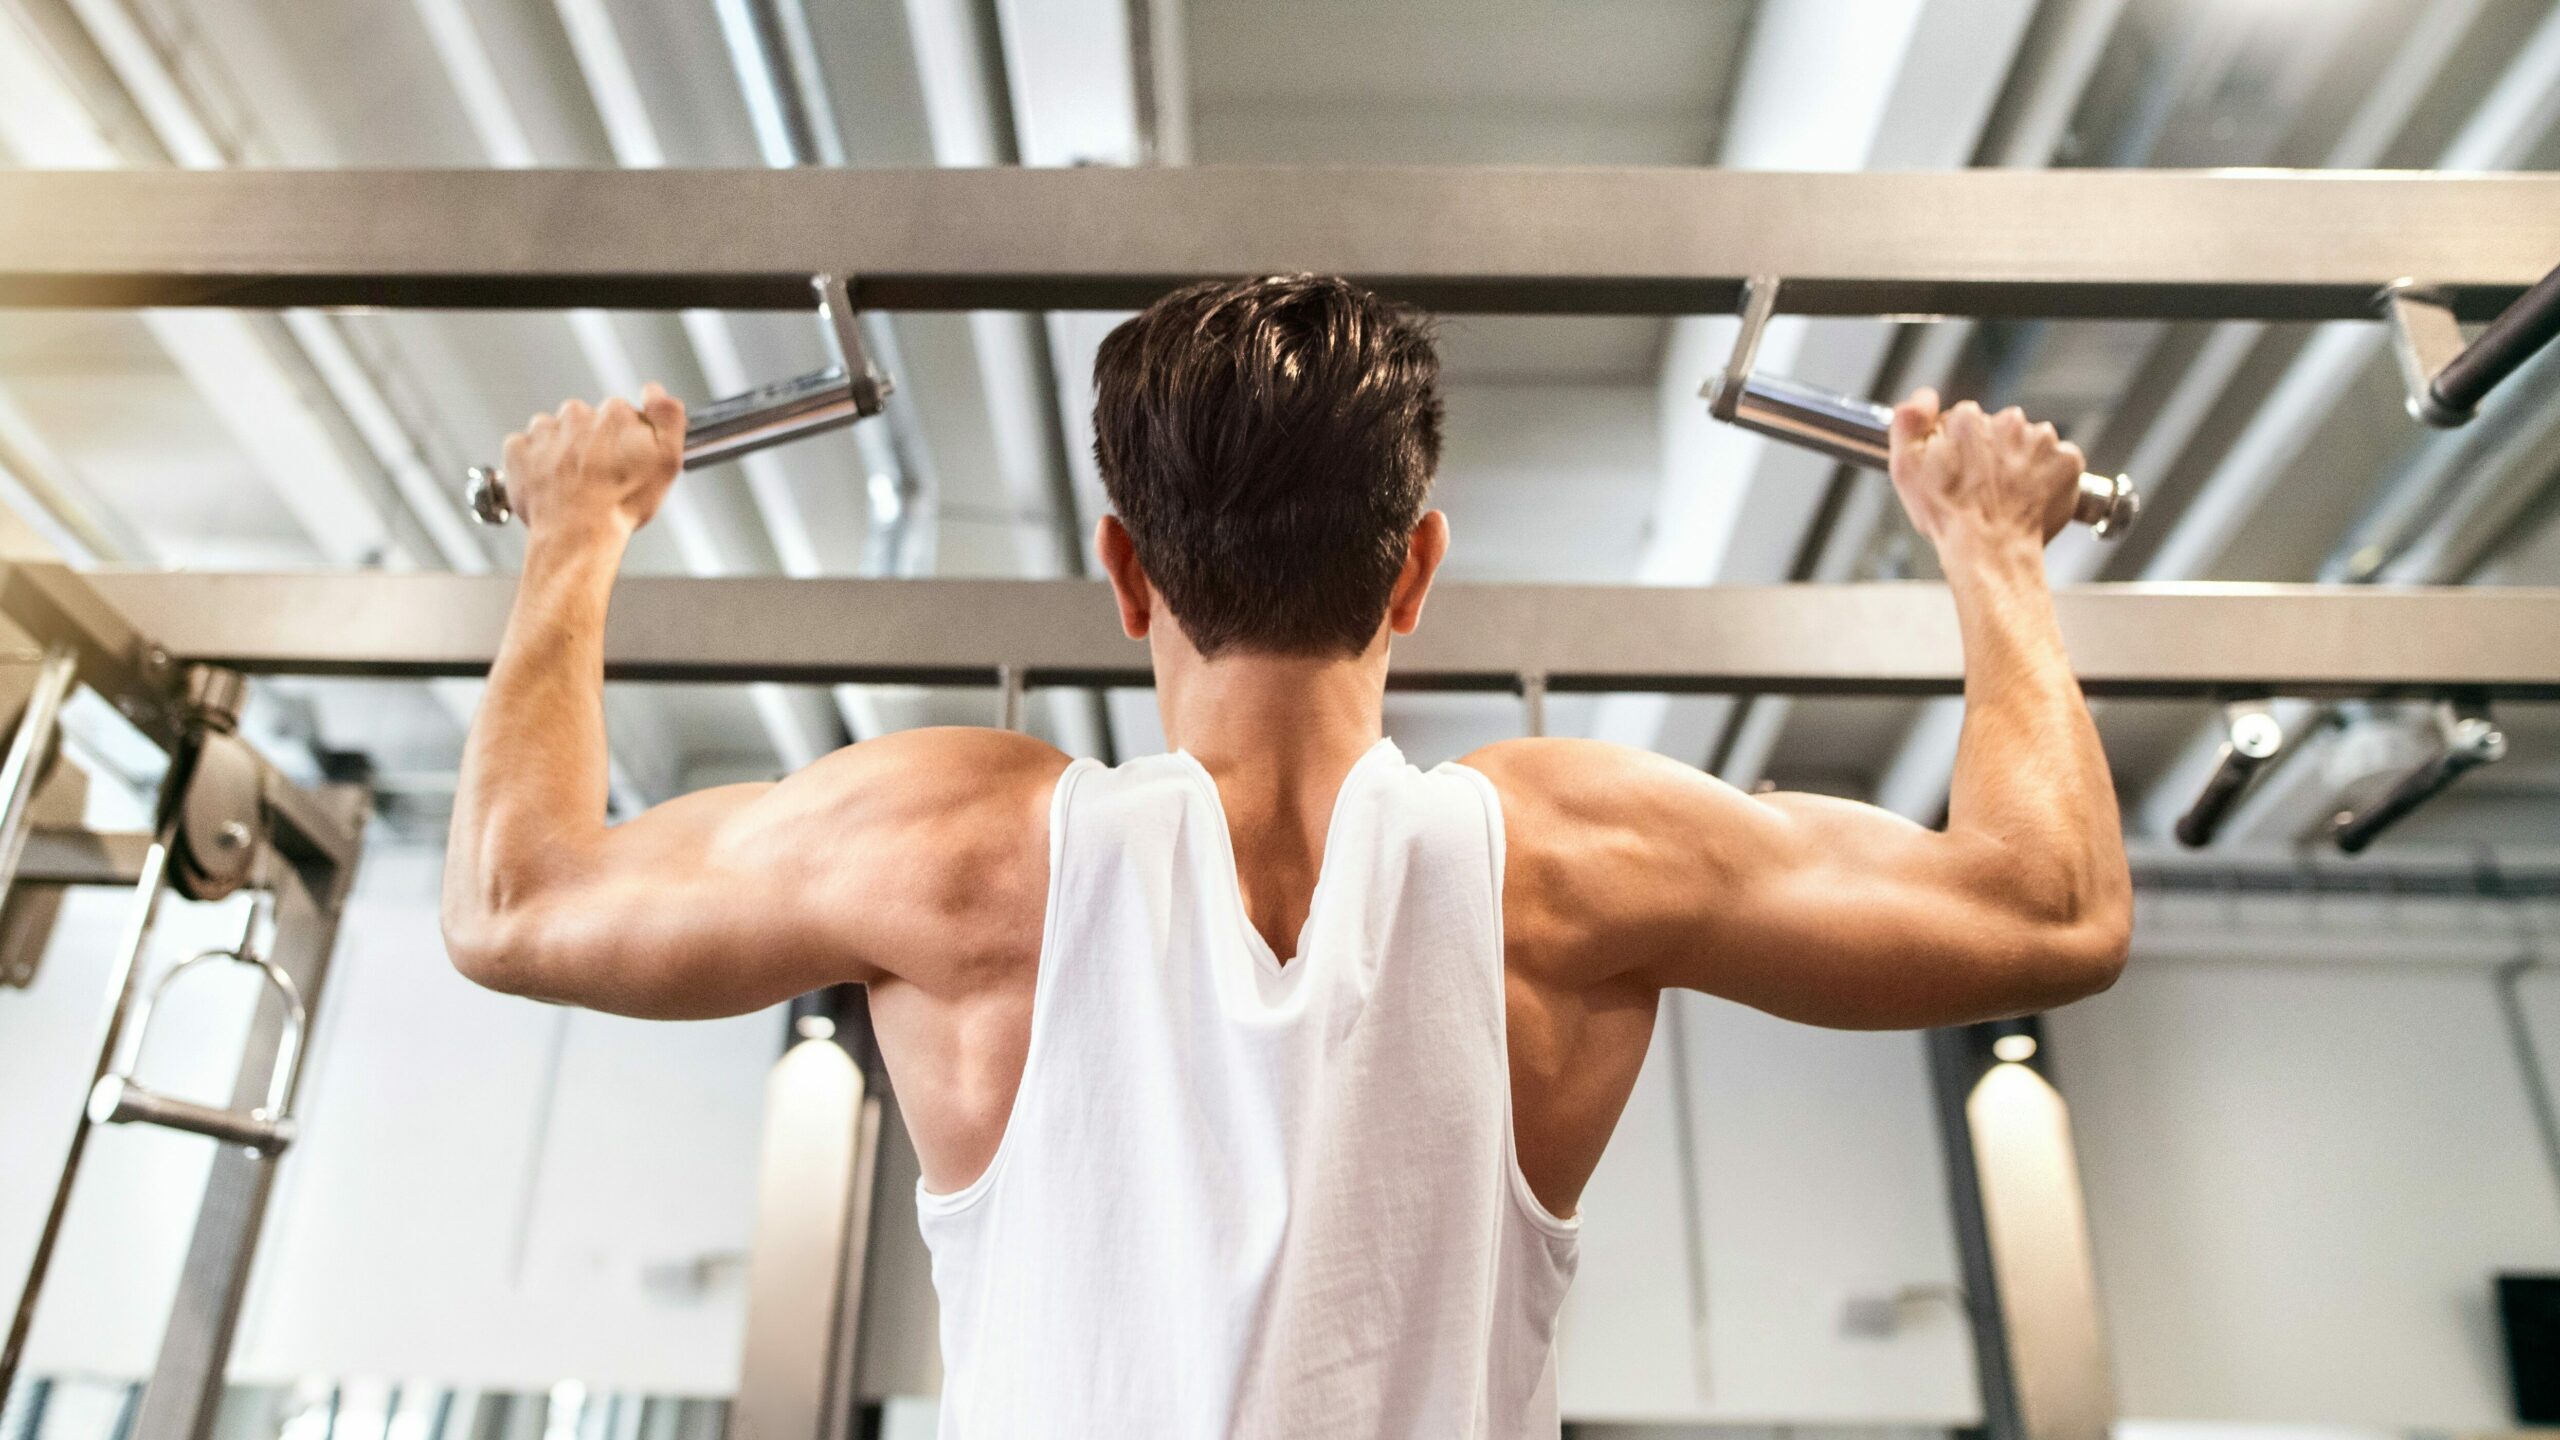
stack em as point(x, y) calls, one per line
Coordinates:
point(1860, 432)
point(120, 1100)
point(788, 410)
point(822, 400)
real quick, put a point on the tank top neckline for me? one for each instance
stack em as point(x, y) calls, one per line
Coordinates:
point(1264, 957)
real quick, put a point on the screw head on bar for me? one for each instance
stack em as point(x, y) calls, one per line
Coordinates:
point(486, 493)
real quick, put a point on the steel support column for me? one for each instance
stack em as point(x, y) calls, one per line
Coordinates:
point(311, 880)
point(825, 1107)
point(2022, 1234)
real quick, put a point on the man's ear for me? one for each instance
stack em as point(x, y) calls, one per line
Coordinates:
point(1128, 583)
point(1422, 556)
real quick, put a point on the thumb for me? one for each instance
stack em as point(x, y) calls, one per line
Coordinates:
point(665, 414)
point(1916, 417)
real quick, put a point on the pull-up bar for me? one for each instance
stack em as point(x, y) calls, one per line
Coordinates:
point(1865, 639)
point(2121, 243)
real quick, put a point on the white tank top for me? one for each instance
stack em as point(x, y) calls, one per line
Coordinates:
point(1241, 1198)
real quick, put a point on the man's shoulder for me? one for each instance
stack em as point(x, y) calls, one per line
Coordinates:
point(961, 792)
point(953, 761)
point(1565, 777)
point(1607, 845)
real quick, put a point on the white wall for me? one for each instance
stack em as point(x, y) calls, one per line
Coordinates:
point(2301, 1178)
point(2300, 1175)
point(127, 1229)
point(393, 1241)
point(1820, 1179)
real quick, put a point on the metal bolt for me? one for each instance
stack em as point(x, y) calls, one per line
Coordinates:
point(232, 836)
point(2256, 734)
point(2475, 736)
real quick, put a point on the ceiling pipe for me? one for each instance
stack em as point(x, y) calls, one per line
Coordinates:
point(2059, 53)
point(2505, 124)
point(780, 122)
point(149, 119)
point(1912, 85)
point(2442, 519)
point(798, 732)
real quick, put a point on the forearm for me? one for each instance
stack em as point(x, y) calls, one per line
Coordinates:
point(531, 802)
point(2031, 784)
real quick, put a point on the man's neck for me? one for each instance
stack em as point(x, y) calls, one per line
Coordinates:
point(1278, 720)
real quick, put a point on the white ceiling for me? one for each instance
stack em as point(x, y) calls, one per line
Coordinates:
point(1555, 454)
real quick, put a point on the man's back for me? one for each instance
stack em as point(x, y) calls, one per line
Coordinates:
point(1241, 1213)
point(1247, 1193)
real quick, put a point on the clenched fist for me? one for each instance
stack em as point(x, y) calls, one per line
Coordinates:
point(606, 465)
point(1963, 474)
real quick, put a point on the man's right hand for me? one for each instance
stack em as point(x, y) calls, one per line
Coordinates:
point(605, 467)
point(1964, 475)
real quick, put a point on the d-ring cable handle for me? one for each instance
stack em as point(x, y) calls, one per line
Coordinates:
point(119, 1099)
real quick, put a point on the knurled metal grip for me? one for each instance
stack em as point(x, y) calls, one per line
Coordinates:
point(851, 389)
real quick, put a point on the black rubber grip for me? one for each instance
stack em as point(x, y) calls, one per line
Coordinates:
point(2229, 782)
point(2520, 331)
point(2353, 832)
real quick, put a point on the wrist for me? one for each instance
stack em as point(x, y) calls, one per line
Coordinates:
point(576, 539)
point(1965, 551)
point(580, 549)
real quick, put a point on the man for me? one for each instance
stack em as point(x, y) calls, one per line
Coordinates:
point(1255, 1084)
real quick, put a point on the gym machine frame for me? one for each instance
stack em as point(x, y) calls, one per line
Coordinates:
point(2176, 245)
point(227, 820)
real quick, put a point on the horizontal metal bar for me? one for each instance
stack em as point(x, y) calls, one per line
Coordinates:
point(2127, 243)
point(1880, 639)
point(53, 606)
point(83, 857)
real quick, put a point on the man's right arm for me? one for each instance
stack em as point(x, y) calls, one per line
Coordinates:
point(1627, 868)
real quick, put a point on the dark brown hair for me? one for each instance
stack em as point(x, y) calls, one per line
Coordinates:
point(1269, 444)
